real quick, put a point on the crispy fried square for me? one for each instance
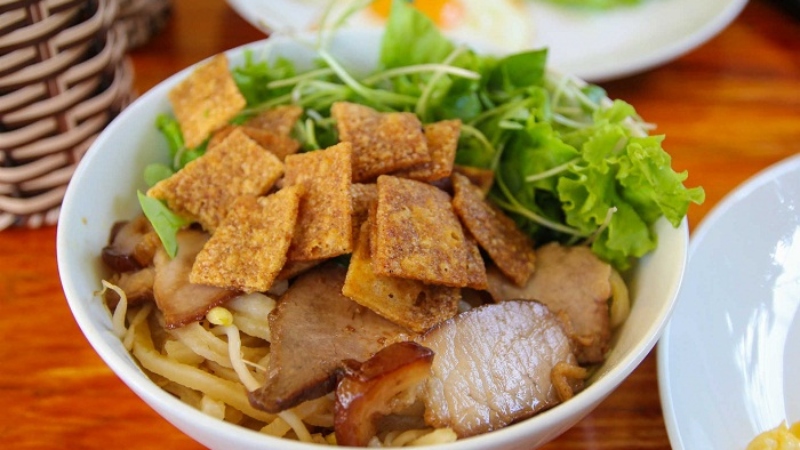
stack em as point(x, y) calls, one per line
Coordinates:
point(206, 100)
point(325, 219)
point(510, 248)
point(382, 142)
point(476, 270)
point(294, 268)
point(483, 178)
point(206, 187)
point(249, 248)
point(409, 303)
point(417, 234)
point(279, 120)
point(363, 197)
point(442, 139)
point(277, 144)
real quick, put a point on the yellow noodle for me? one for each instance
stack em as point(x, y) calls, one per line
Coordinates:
point(203, 342)
point(297, 425)
point(212, 407)
point(229, 392)
point(402, 438)
point(436, 436)
point(188, 396)
point(235, 355)
point(277, 428)
point(177, 350)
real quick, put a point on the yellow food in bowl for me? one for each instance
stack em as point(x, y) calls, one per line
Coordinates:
point(781, 437)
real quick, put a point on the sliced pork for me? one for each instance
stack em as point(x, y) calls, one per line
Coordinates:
point(138, 287)
point(493, 366)
point(386, 383)
point(180, 301)
point(574, 283)
point(314, 329)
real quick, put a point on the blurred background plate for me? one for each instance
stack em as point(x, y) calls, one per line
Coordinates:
point(729, 360)
point(596, 45)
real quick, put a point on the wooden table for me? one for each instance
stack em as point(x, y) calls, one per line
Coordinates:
point(729, 109)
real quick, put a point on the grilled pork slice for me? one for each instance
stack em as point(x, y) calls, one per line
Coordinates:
point(575, 284)
point(493, 366)
point(138, 287)
point(386, 383)
point(314, 329)
point(180, 301)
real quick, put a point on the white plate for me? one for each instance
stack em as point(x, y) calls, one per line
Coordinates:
point(729, 360)
point(594, 45)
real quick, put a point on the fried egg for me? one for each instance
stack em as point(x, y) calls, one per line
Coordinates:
point(501, 24)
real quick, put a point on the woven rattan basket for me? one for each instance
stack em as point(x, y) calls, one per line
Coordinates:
point(141, 19)
point(63, 77)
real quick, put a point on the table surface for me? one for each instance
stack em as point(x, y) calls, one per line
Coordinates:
point(729, 109)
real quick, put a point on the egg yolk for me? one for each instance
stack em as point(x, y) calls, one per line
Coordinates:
point(444, 13)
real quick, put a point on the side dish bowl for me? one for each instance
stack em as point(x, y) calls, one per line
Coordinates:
point(103, 189)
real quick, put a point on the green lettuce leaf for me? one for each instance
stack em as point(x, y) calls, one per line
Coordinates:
point(411, 38)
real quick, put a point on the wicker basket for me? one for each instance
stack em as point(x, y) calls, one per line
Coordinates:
point(63, 77)
point(141, 19)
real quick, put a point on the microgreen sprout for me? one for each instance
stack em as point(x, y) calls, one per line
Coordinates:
point(551, 172)
point(422, 104)
point(442, 68)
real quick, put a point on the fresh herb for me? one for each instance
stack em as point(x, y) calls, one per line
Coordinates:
point(165, 222)
point(179, 154)
point(156, 172)
point(570, 165)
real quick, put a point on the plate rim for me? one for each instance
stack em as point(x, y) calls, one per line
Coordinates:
point(725, 13)
point(732, 198)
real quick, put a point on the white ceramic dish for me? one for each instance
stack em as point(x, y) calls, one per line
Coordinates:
point(102, 191)
point(729, 360)
point(594, 45)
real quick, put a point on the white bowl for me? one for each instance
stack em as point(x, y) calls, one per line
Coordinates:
point(103, 189)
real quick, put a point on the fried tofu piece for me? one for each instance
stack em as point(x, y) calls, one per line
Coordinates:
point(417, 234)
point(476, 269)
point(294, 268)
point(206, 187)
point(442, 140)
point(248, 250)
point(206, 100)
point(410, 303)
point(382, 142)
point(483, 178)
point(510, 249)
point(363, 197)
point(277, 144)
point(279, 120)
point(325, 220)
